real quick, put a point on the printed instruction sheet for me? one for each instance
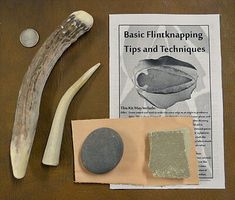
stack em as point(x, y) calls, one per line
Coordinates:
point(170, 65)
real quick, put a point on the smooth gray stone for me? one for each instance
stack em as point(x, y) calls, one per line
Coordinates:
point(102, 150)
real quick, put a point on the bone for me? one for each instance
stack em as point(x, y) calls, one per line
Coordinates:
point(52, 151)
point(27, 109)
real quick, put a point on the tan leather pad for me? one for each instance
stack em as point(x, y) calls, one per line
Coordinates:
point(133, 167)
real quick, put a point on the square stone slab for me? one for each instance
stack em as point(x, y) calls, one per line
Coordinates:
point(168, 157)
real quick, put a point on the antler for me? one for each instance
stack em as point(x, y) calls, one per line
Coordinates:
point(29, 98)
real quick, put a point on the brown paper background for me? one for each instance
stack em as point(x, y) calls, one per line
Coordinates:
point(133, 167)
point(56, 183)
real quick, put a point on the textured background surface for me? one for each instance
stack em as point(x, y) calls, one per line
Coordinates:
point(57, 183)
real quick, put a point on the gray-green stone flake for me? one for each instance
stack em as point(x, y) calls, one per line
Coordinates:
point(102, 150)
point(168, 157)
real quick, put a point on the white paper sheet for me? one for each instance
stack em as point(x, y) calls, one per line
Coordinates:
point(135, 90)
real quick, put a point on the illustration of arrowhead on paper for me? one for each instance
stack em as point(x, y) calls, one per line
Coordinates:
point(165, 81)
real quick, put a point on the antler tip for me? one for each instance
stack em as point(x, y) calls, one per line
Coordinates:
point(84, 17)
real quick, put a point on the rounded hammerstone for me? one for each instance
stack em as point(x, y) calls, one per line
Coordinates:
point(102, 150)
